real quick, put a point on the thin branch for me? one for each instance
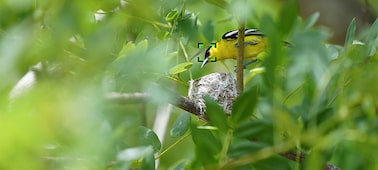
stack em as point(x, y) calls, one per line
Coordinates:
point(133, 98)
point(187, 105)
point(293, 156)
point(126, 98)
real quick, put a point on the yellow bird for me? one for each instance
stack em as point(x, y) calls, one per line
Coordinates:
point(254, 43)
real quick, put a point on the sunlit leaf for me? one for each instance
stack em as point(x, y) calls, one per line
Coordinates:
point(131, 154)
point(207, 127)
point(350, 32)
point(131, 49)
point(312, 20)
point(182, 67)
point(171, 16)
point(163, 35)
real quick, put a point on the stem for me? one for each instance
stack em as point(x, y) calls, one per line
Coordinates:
point(186, 59)
point(298, 158)
point(226, 145)
point(239, 65)
point(256, 156)
point(171, 146)
point(292, 93)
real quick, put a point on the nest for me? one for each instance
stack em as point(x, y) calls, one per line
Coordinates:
point(221, 87)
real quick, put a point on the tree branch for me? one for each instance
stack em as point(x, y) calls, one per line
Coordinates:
point(133, 98)
point(293, 156)
point(126, 98)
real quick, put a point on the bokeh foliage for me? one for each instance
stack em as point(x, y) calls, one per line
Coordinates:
point(315, 97)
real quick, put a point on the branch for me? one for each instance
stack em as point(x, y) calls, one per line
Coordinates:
point(126, 98)
point(293, 156)
point(133, 98)
point(239, 64)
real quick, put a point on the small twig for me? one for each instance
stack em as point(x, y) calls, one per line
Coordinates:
point(126, 98)
point(186, 59)
point(173, 145)
point(133, 98)
point(293, 156)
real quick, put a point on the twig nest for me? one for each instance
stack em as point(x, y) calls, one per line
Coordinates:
point(219, 86)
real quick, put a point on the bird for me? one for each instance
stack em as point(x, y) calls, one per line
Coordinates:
point(255, 42)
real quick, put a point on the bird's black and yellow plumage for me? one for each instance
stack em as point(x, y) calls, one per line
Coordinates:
point(255, 42)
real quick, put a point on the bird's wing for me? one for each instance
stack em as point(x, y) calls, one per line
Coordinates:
point(246, 43)
point(232, 35)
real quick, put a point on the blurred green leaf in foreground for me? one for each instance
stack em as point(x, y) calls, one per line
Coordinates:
point(59, 59)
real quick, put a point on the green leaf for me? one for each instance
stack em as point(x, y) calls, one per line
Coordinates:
point(187, 26)
point(219, 3)
point(208, 31)
point(371, 38)
point(131, 154)
point(134, 154)
point(207, 127)
point(207, 145)
point(350, 32)
point(321, 117)
point(312, 20)
point(244, 147)
point(275, 162)
point(162, 35)
point(148, 137)
point(216, 115)
point(244, 106)
point(182, 67)
point(180, 166)
point(148, 161)
point(131, 49)
point(181, 125)
point(288, 16)
point(261, 130)
point(172, 16)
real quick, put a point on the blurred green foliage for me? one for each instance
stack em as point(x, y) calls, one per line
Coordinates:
point(315, 97)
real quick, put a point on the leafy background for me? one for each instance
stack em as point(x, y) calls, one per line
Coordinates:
point(316, 97)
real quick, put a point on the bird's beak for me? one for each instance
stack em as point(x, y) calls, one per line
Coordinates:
point(207, 57)
point(205, 61)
